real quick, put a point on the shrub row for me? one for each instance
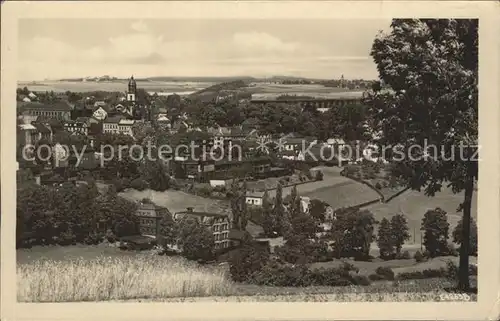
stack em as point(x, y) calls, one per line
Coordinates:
point(276, 274)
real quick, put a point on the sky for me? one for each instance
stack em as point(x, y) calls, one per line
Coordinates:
point(64, 48)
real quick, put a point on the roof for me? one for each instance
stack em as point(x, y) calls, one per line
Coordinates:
point(205, 217)
point(82, 119)
point(255, 194)
point(58, 106)
point(127, 122)
point(114, 119)
point(27, 127)
point(235, 234)
point(42, 128)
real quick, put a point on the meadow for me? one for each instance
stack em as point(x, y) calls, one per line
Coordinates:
point(126, 276)
point(177, 201)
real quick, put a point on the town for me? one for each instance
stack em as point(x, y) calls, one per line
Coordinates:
point(280, 182)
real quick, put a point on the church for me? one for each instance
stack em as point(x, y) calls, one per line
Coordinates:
point(134, 106)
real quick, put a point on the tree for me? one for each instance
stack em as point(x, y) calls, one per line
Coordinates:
point(246, 261)
point(435, 226)
point(432, 68)
point(196, 240)
point(399, 231)
point(317, 209)
point(352, 232)
point(385, 239)
point(238, 205)
point(282, 222)
point(457, 235)
point(167, 229)
point(268, 218)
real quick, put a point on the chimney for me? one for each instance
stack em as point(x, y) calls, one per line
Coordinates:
point(190, 210)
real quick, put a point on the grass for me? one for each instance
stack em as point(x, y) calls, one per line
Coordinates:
point(58, 274)
point(114, 278)
point(414, 205)
point(177, 201)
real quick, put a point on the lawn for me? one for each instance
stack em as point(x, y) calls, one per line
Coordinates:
point(55, 274)
point(414, 204)
point(177, 201)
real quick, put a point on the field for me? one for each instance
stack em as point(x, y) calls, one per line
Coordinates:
point(150, 86)
point(119, 276)
point(177, 201)
point(270, 91)
point(414, 204)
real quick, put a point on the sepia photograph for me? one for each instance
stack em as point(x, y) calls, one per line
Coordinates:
point(247, 159)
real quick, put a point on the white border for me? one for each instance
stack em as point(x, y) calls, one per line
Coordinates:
point(488, 221)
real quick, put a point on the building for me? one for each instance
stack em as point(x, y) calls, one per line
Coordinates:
point(219, 224)
point(149, 215)
point(254, 198)
point(118, 125)
point(58, 110)
point(80, 125)
point(26, 135)
point(44, 131)
point(100, 113)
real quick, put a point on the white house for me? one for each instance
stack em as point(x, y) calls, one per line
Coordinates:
point(118, 125)
point(254, 198)
point(100, 114)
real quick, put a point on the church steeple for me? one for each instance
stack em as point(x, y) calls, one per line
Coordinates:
point(132, 89)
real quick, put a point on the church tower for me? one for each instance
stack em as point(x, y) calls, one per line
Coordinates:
point(132, 90)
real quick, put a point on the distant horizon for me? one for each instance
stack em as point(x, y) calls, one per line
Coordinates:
point(56, 49)
point(194, 77)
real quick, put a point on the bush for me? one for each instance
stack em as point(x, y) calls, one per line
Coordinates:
point(403, 256)
point(139, 184)
point(376, 277)
point(361, 280)
point(246, 261)
point(418, 257)
point(425, 274)
point(378, 186)
point(319, 175)
point(385, 272)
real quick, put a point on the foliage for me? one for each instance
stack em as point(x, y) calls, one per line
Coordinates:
point(167, 229)
point(279, 213)
point(246, 261)
point(385, 240)
point(431, 65)
point(418, 257)
point(196, 240)
point(386, 272)
point(139, 184)
point(70, 214)
point(269, 222)
point(317, 209)
point(435, 226)
point(399, 231)
point(352, 232)
point(457, 235)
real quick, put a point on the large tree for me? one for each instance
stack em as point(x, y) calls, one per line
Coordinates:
point(431, 67)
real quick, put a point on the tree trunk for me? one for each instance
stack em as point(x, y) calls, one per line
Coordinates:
point(463, 272)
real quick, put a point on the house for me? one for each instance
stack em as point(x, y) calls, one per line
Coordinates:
point(58, 110)
point(26, 134)
point(80, 125)
point(44, 131)
point(118, 125)
point(254, 198)
point(32, 96)
point(100, 113)
point(219, 224)
point(296, 144)
point(149, 215)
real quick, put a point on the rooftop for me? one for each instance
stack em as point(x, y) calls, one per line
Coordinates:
point(58, 106)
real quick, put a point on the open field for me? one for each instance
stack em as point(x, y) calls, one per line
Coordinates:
point(414, 204)
point(177, 201)
point(63, 86)
point(144, 277)
point(266, 91)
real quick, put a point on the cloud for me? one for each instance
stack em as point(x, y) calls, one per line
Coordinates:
point(261, 41)
point(139, 26)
